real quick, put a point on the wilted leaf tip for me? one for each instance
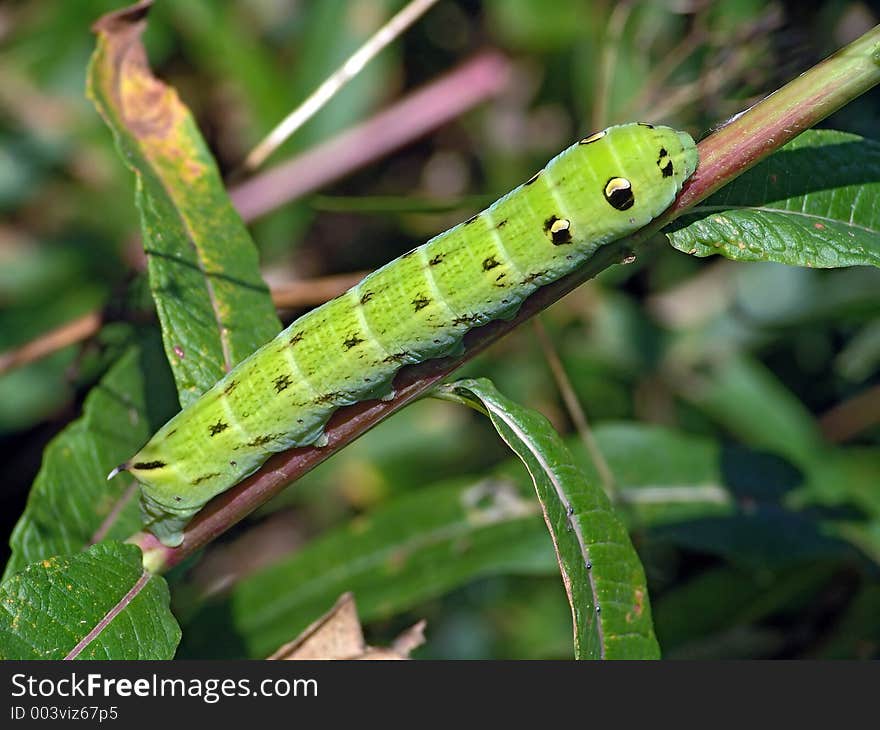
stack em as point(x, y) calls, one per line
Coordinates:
point(148, 107)
point(124, 19)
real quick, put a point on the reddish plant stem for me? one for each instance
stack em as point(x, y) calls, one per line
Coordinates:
point(440, 101)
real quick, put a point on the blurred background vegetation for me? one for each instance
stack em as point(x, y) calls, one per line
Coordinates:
point(693, 372)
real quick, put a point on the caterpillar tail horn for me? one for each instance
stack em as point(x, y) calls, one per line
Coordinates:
point(122, 467)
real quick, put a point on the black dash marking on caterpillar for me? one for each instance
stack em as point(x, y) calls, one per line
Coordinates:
point(409, 253)
point(218, 427)
point(532, 277)
point(329, 397)
point(593, 138)
point(352, 341)
point(261, 440)
point(619, 193)
point(397, 357)
point(471, 219)
point(559, 230)
point(501, 223)
point(645, 124)
point(437, 260)
point(282, 382)
point(367, 297)
point(146, 465)
point(420, 302)
point(533, 177)
point(490, 263)
point(296, 338)
point(198, 480)
point(228, 389)
point(171, 433)
point(466, 319)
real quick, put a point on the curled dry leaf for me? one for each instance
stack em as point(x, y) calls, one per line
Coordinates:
point(338, 635)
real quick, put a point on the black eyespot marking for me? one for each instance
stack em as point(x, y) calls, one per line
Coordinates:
point(619, 194)
point(593, 138)
point(229, 388)
point(218, 427)
point(204, 477)
point(297, 337)
point(533, 177)
point(146, 465)
point(282, 382)
point(352, 341)
point(668, 170)
point(471, 219)
point(559, 230)
point(420, 302)
point(437, 260)
point(663, 153)
point(490, 263)
point(501, 224)
point(367, 297)
point(178, 499)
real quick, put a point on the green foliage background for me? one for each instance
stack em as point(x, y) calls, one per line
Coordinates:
point(756, 515)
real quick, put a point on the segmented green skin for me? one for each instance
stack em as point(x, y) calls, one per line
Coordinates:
point(415, 308)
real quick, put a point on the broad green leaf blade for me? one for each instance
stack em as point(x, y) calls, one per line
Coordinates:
point(815, 203)
point(603, 576)
point(414, 548)
point(661, 475)
point(749, 400)
point(71, 503)
point(100, 604)
point(743, 505)
point(213, 306)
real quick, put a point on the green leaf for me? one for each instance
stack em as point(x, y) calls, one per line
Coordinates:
point(100, 604)
point(815, 203)
point(692, 611)
point(71, 503)
point(604, 580)
point(662, 475)
point(416, 547)
point(213, 306)
point(749, 400)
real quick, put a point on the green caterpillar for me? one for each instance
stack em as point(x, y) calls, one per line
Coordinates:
point(415, 308)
